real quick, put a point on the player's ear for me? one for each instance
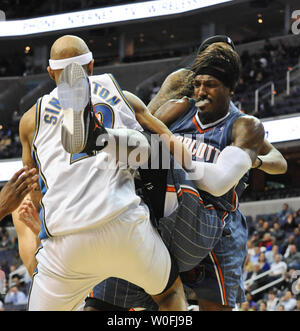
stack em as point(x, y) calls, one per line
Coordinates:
point(51, 73)
point(90, 68)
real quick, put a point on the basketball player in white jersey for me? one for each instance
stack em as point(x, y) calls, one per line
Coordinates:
point(93, 225)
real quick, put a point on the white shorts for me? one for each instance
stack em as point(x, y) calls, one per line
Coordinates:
point(128, 247)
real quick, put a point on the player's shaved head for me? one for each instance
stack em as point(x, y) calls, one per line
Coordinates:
point(68, 46)
point(65, 47)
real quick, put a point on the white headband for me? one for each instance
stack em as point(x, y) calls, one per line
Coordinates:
point(81, 59)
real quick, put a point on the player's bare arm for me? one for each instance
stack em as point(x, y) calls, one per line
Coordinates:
point(270, 160)
point(248, 134)
point(172, 88)
point(172, 110)
point(27, 239)
point(14, 191)
point(234, 160)
point(153, 124)
point(26, 130)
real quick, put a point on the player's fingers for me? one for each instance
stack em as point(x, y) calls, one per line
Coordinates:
point(17, 175)
point(25, 182)
point(27, 176)
point(23, 178)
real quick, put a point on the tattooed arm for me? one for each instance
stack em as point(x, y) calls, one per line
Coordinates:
point(175, 86)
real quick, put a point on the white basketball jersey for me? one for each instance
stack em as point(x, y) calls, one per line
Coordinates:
point(81, 191)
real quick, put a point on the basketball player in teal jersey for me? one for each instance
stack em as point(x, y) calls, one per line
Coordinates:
point(177, 85)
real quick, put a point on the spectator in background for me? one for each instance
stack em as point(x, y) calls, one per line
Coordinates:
point(297, 238)
point(286, 244)
point(3, 232)
point(259, 226)
point(297, 308)
point(253, 282)
point(4, 243)
point(255, 238)
point(250, 300)
point(281, 308)
point(288, 301)
point(2, 282)
point(15, 297)
point(5, 267)
point(290, 224)
point(245, 306)
point(270, 255)
point(282, 215)
point(272, 301)
point(287, 283)
point(277, 233)
point(262, 306)
point(266, 241)
point(254, 257)
point(13, 243)
point(278, 267)
point(265, 228)
point(17, 280)
point(292, 259)
point(263, 262)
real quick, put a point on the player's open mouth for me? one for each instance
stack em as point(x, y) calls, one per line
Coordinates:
point(202, 103)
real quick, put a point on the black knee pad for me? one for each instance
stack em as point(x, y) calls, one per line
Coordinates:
point(102, 305)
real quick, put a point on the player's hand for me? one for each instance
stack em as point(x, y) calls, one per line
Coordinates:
point(14, 191)
point(30, 216)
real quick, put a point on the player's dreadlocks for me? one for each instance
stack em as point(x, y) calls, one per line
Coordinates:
point(221, 61)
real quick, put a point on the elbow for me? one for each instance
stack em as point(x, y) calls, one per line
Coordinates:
point(281, 168)
point(215, 191)
point(218, 193)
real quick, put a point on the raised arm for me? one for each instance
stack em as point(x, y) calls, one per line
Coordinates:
point(175, 86)
point(154, 125)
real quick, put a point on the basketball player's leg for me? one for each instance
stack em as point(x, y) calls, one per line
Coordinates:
point(172, 298)
point(64, 275)
point(119, 294)
point(219, 283)
point(146, 262)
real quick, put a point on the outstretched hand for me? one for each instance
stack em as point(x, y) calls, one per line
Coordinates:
point(14, 191)
point(30, 216)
